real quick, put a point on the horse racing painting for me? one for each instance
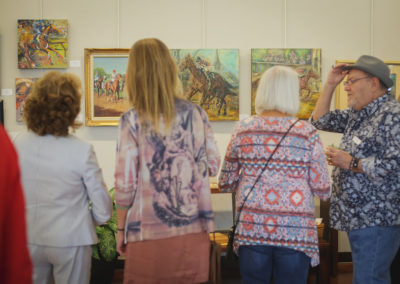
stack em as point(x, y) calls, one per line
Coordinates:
point(105, 74)
point(210, 78)
point(306, 62)
point(23, 88)
point(42, 44)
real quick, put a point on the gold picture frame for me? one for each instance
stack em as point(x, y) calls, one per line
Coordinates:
point(105, 73)
point(340, 93)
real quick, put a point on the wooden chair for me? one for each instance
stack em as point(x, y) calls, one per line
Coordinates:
point(330, 235)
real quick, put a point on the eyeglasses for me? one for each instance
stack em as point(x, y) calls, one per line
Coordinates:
point(352, 81)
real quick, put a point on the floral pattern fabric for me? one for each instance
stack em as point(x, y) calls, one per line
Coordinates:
point(280, 208)
point(361, 200)
point(164, 179)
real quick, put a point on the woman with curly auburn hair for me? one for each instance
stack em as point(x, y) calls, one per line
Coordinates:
point(165, 153)
point(60, 177)
point(54, 104)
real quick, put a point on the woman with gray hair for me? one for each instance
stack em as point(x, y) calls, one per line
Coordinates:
point(276, 165)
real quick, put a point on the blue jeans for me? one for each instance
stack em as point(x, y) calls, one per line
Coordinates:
point(373, 250)
point(258, 264)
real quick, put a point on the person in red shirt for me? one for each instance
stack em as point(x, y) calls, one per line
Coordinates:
point(15, 262)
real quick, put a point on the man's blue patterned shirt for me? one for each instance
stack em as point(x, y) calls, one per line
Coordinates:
point(361, 200)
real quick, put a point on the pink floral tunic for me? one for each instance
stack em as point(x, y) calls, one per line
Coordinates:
point(164, 179)
point(280, 209)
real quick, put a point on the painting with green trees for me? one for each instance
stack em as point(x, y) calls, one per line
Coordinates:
point(105, 74)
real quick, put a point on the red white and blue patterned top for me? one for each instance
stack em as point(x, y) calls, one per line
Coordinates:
point(280, 209)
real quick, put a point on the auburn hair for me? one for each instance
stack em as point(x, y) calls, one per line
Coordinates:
point(54, 104)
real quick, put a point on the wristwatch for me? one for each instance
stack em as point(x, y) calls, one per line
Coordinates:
point(354, 164)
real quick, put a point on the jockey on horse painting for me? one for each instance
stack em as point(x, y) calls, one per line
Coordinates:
point(38, 37)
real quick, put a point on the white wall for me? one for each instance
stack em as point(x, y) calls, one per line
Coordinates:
point(343, 29)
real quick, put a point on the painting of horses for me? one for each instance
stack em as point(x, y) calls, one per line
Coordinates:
point(210, 78)
point(23, 88)
point(306, 62)
point(105, 75)
point(42, 44)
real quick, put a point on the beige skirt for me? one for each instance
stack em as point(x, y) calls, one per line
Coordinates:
point(181, 259)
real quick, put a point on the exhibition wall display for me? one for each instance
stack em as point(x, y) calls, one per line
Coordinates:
point(362, 27)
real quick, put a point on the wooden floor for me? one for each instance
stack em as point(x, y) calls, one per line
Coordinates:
point(345, 275)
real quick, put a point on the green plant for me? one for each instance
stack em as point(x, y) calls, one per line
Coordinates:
point(106, 248)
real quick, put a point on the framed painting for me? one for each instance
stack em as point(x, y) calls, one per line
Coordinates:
point(210, 78)
point(105, 74)
point(23, 88)
point(42, 44)
point(306, 62)
point(341, 95)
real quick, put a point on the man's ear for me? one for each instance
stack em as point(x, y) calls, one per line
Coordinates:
point(376, 83)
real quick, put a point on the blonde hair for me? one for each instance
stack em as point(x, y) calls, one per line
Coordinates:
point(54, 104)
point(279, 89)
point(152, 82)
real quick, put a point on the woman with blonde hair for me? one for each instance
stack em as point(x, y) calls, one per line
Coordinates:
point(66, 196)
point(165, 154)
point(276, 165)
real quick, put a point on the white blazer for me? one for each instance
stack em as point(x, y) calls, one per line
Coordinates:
point(61, 177)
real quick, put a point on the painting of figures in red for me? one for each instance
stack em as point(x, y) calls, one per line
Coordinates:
point(23, 88)
point(42, 44)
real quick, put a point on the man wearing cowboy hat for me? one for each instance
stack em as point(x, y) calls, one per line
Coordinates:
point(365, 200)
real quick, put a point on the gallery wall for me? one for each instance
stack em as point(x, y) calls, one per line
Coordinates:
point(343, 29)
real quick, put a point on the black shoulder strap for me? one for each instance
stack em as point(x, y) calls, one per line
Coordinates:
point(259, 176)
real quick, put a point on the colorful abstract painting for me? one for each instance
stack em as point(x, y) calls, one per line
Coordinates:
point(42, 43)
point(306, 62)
point(210, 78)
point(23, 88)
point(105, 81)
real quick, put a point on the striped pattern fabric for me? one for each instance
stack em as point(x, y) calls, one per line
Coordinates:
point(280, 209)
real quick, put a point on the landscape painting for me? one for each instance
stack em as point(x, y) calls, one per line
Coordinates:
point(23, 88)
point(105, 74)
point(42, 44)
point(210, 78)
point(306, 62)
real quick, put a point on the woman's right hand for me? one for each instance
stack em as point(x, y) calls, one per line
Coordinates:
point(121, 246)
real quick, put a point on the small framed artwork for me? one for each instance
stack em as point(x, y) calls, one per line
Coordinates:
point(23, 88)
point(305, 61)
point(210, 78)
point(341, 95)
point(42, 44)
point(105, 75)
